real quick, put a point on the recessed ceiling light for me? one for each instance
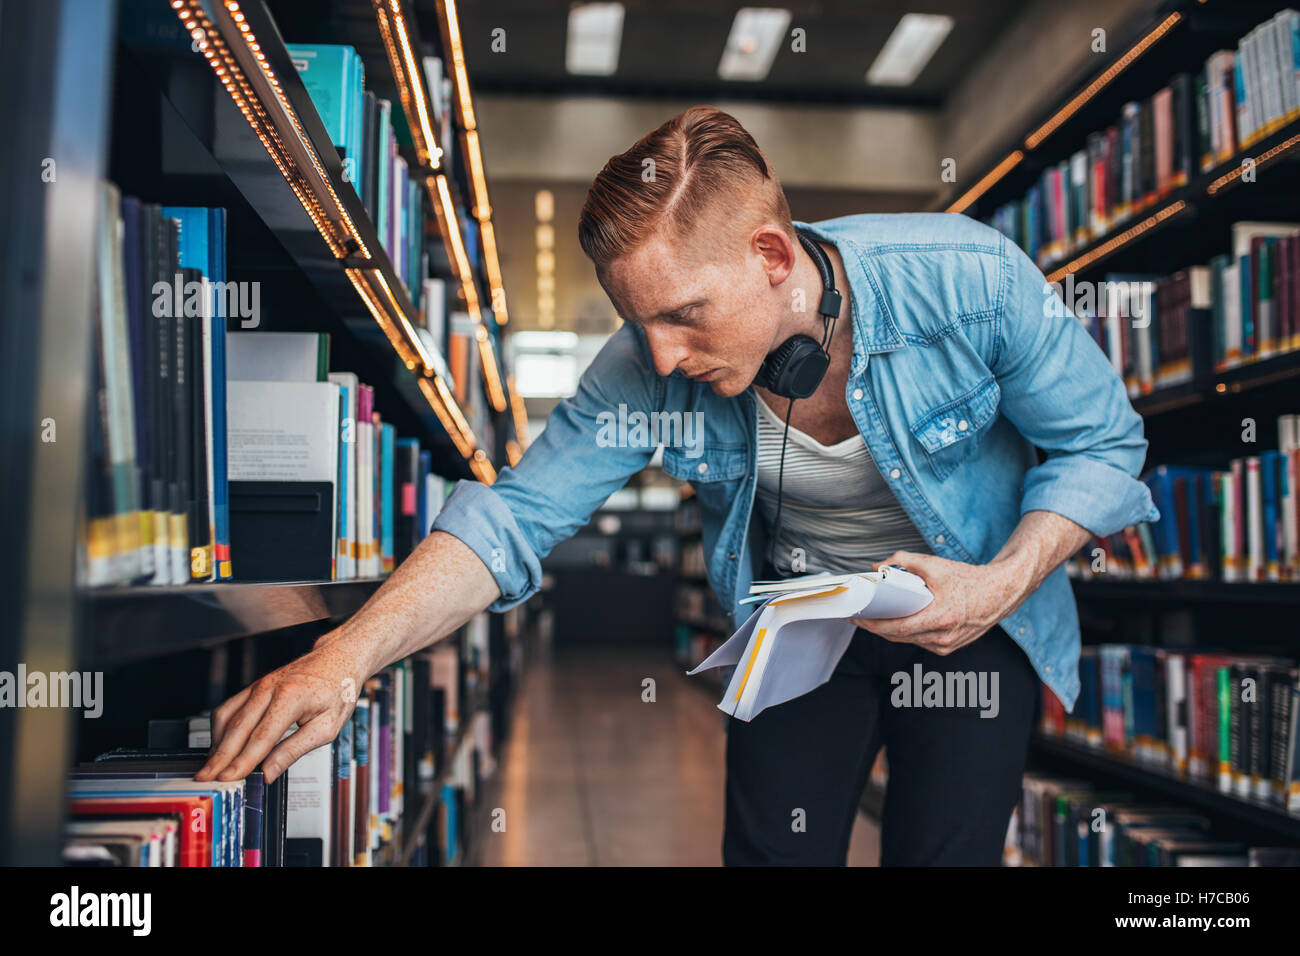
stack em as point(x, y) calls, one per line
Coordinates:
point(595, 34)
point(909, 48)
point(756, 35)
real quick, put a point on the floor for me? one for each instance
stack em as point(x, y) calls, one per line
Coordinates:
point(593, 775)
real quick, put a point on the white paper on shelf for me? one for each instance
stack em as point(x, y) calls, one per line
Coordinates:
point(283, 431)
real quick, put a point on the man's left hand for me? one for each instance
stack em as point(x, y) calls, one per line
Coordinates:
point(969, 599)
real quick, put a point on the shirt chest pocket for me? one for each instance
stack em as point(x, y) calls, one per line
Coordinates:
point(949, 432)
point(710, 465)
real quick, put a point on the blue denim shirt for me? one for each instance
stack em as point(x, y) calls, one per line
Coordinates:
point(963, 360)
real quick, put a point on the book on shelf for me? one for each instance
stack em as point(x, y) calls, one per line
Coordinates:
point(360, 126)
point(1236, 524)
point(1157, 145)
point(158, 502)
point(1227, 720)
point(1062, 821)
point(339, 805)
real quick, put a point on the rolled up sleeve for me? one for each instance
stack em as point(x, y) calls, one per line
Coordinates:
point(565, 475)
point(1061, 392)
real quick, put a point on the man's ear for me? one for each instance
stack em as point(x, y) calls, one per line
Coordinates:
point(776, 250)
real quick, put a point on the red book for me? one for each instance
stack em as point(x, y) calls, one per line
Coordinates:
point(195, 831)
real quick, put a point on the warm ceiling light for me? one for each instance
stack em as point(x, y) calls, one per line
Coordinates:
point(595, 34)
point(909, 48)
point(544, 204)
point(756, 35)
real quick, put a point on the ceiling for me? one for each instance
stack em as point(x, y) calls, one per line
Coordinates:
point(671, 48)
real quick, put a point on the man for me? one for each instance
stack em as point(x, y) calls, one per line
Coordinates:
point(947, 362)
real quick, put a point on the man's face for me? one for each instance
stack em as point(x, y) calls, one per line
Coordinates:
point(709, 313)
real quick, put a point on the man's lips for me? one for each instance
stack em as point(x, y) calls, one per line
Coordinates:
point(704, 376)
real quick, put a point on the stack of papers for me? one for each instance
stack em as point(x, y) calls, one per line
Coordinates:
point(792, 643)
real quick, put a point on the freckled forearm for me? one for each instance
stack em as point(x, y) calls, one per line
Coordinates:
point(1040, 542)
point(440, 586)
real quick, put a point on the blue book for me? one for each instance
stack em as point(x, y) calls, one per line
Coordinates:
point(384, 164)
point(386, 498)
point(1270, 463)
point(422, 511)
point(327, 72)
point(202, 246)
point(451, 847)
point(345, 485)
point(1247, 292)
point(353, 145)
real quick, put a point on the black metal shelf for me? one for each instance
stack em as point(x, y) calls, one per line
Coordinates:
point(1202, 29)
point(1189, 591)
point(137, 623)
point(1208, 212)
point(1252, 812)
point(207, 151)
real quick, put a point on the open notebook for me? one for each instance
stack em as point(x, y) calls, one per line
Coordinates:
point(793, 642)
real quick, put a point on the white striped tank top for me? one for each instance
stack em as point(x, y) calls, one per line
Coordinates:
point(838, 515)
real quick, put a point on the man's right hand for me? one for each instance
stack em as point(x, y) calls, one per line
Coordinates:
point(440, 586)
point(317, 692)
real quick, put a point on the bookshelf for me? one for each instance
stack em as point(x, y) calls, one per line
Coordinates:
point(1198, 422)
point(108, 91)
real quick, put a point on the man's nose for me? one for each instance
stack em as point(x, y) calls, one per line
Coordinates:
point(666, 350)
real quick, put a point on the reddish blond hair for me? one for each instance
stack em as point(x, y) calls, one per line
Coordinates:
point(697, 157)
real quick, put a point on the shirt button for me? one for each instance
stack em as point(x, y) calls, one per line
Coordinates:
point(857, 394)
point(1048, 668)
point(1021, 630)
point(963, 425)
point(704, 466)
point(894, 473)
point(938, 539)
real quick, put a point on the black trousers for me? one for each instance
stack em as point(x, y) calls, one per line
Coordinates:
point(796, 772)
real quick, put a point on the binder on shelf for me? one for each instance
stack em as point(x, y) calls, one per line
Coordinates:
point(284, 451)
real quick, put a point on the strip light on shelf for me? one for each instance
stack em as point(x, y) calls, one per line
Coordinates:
point(410, 88)
point(232, 50)
point(1076, 103)
point(491, 375)
point(983, 186)
point(358, 278)
point(481, 465)
point(1092, 89)
point(406, 324)
point(474, 155)
point(449, 414)
point(1231, 177)
point(1113, 243)
point(519, 412)
point(447, 213)
point(459, 75)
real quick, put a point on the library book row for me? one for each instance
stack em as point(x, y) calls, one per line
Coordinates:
point(1223, 719)
point(1160, 331)
point(1159, 144)
point(1238, 524)
point(404, 765)
point(231, 455)
point(1065, 822)
point(361, 128)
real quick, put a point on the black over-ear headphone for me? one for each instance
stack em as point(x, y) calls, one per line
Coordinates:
point(798, 365)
